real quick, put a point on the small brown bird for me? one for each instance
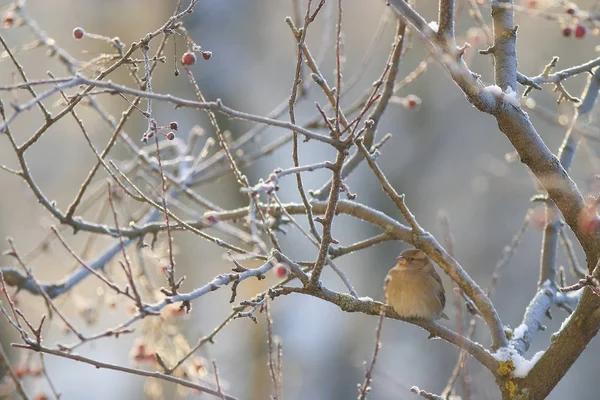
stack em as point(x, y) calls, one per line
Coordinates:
point(414, 289)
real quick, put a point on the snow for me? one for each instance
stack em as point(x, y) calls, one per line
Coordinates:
point(564, 323)
point(510, 96)
point(494, 89)
point(519, 332)
point(521, 364)
point(503, 354)
point(434, 26)
point(365, 298)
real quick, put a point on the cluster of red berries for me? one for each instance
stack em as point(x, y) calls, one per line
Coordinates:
point(571, 9)
point(173, 126)
point(579, 29)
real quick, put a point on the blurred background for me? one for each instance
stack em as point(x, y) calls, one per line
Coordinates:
point(445, 155)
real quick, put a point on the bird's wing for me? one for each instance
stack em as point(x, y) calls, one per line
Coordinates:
point(441, 294)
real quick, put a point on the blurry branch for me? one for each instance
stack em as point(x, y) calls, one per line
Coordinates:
point(51, 306)
point(576, 269)
point(273, 355)
point(461, 367)
point(365, 389)
point(91, 270)
point(8, 370)
point(22, 282)
point(29, 88)
point(52, 386)
point(508, 253)
point(125, 264)
point(216, 372)
point(475, 13)
point(426, 395)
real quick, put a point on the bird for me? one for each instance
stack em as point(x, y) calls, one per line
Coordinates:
point(414, 289)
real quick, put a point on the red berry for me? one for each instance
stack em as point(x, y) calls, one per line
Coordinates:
point(539, 217)
point(9, 19)
point(571, 11)
point(21, 370)
point(207, 55)
point(475, 36)
point(212, 219)
point(580, 31)
point(170, 136)
point(188, 59)
point(78, 33)
point(567, 31)
point(411, 102)
point(281, 271)
point(41, 396)
point(175, 311)
point(173, 125)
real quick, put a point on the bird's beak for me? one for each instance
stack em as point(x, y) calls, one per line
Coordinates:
point(401, 260)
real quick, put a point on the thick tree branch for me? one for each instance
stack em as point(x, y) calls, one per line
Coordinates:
point(446, 19)
point(504, 49)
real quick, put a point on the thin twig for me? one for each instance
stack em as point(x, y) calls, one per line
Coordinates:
point(366, 386)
